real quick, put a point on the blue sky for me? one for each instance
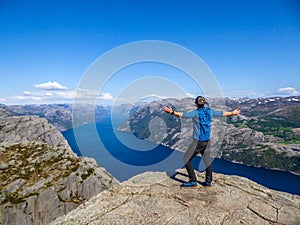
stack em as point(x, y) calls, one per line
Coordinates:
point(252, 47)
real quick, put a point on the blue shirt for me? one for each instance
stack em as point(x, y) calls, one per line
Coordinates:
point(201, 122)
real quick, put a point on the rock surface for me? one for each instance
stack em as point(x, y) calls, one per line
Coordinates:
point(155, 198)
point(40, 177)
point(17, 129)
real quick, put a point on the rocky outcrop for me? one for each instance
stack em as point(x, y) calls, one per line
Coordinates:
point(155, 198)
point(17, 129)
point(40, 177)
point(235, 136)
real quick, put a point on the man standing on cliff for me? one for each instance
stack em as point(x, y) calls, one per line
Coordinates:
point(202, 118)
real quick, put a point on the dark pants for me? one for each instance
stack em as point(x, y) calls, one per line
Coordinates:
point(194, 149)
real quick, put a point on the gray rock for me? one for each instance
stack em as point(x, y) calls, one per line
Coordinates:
point(17, 129)
point(37, 193)
point(41, 177)
point(4, 112)
point(154, 198)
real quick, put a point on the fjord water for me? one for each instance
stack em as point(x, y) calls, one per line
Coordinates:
point(123, 162)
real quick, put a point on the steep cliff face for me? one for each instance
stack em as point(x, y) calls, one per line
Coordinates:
point(40, 177)
point(59, 115)
point(155, 198)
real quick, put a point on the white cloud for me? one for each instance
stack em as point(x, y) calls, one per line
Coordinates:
point(105, 96)
point(58, 96)
point(190, 95)
point(50, 86)
point(36, 98)
point(288, 91)
point(244, 93)
point(26, 93)
point(20, 97)
point(62, 95)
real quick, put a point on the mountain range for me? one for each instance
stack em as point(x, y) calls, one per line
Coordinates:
point(264, 135)
point(60, 115)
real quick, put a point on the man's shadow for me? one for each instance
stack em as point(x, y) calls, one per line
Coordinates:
point(173, 176)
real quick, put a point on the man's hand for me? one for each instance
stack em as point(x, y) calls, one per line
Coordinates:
point(168, 109)
point(236, 112)
point(172, 112)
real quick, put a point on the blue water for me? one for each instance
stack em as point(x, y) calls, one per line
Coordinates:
point(123, 162)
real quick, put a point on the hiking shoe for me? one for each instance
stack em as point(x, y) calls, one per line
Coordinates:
point(191, 184)
point(207, 184)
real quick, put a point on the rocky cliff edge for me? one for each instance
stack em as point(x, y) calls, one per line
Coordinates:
point(40, 177)
point(155, 198)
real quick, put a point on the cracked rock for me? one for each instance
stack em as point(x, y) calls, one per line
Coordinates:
point(155, 198)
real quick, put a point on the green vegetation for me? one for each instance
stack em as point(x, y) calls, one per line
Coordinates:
point(27, 163)
point(277, 120)
point(290, 142)
point(265, 157)
point(73, 198)
point(271, 126)
point(16, 199)
point(90, 171)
